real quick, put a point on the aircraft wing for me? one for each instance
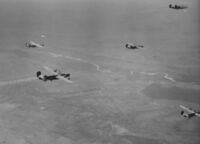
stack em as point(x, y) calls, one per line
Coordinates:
point(189, 110)
point(36, 44)
point(183, 6)
point(60, 77)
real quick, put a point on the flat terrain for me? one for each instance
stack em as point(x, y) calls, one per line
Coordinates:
point(118, 96)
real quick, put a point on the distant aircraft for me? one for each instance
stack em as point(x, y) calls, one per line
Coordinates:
point(45, 77)
point(190, 112)
point(177, 7)
point(133, 46)
point(32, 44)
point(63, 76)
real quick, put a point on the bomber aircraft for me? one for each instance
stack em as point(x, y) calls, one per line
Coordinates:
point(57, 74)
point(32, 44)
point(133, 46)
point(177, 7)
point(190, 112)
point(45, 77)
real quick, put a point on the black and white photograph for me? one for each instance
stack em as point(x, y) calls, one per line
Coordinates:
point(99, 72)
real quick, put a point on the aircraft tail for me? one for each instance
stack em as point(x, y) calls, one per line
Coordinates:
point(182, 112)
point(38, 73)
point(40, 76)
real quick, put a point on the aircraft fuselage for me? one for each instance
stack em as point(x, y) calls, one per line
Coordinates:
point(177, 7)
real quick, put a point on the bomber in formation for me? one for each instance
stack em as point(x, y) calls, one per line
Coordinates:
point(56, 76)
point(189, 112)
point(32, 44)
point(177, 7)
point(133, 46)
point(45, 78)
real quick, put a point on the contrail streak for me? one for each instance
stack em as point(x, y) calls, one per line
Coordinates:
point(79, 59)
point(166, 75)
point(2, 83)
